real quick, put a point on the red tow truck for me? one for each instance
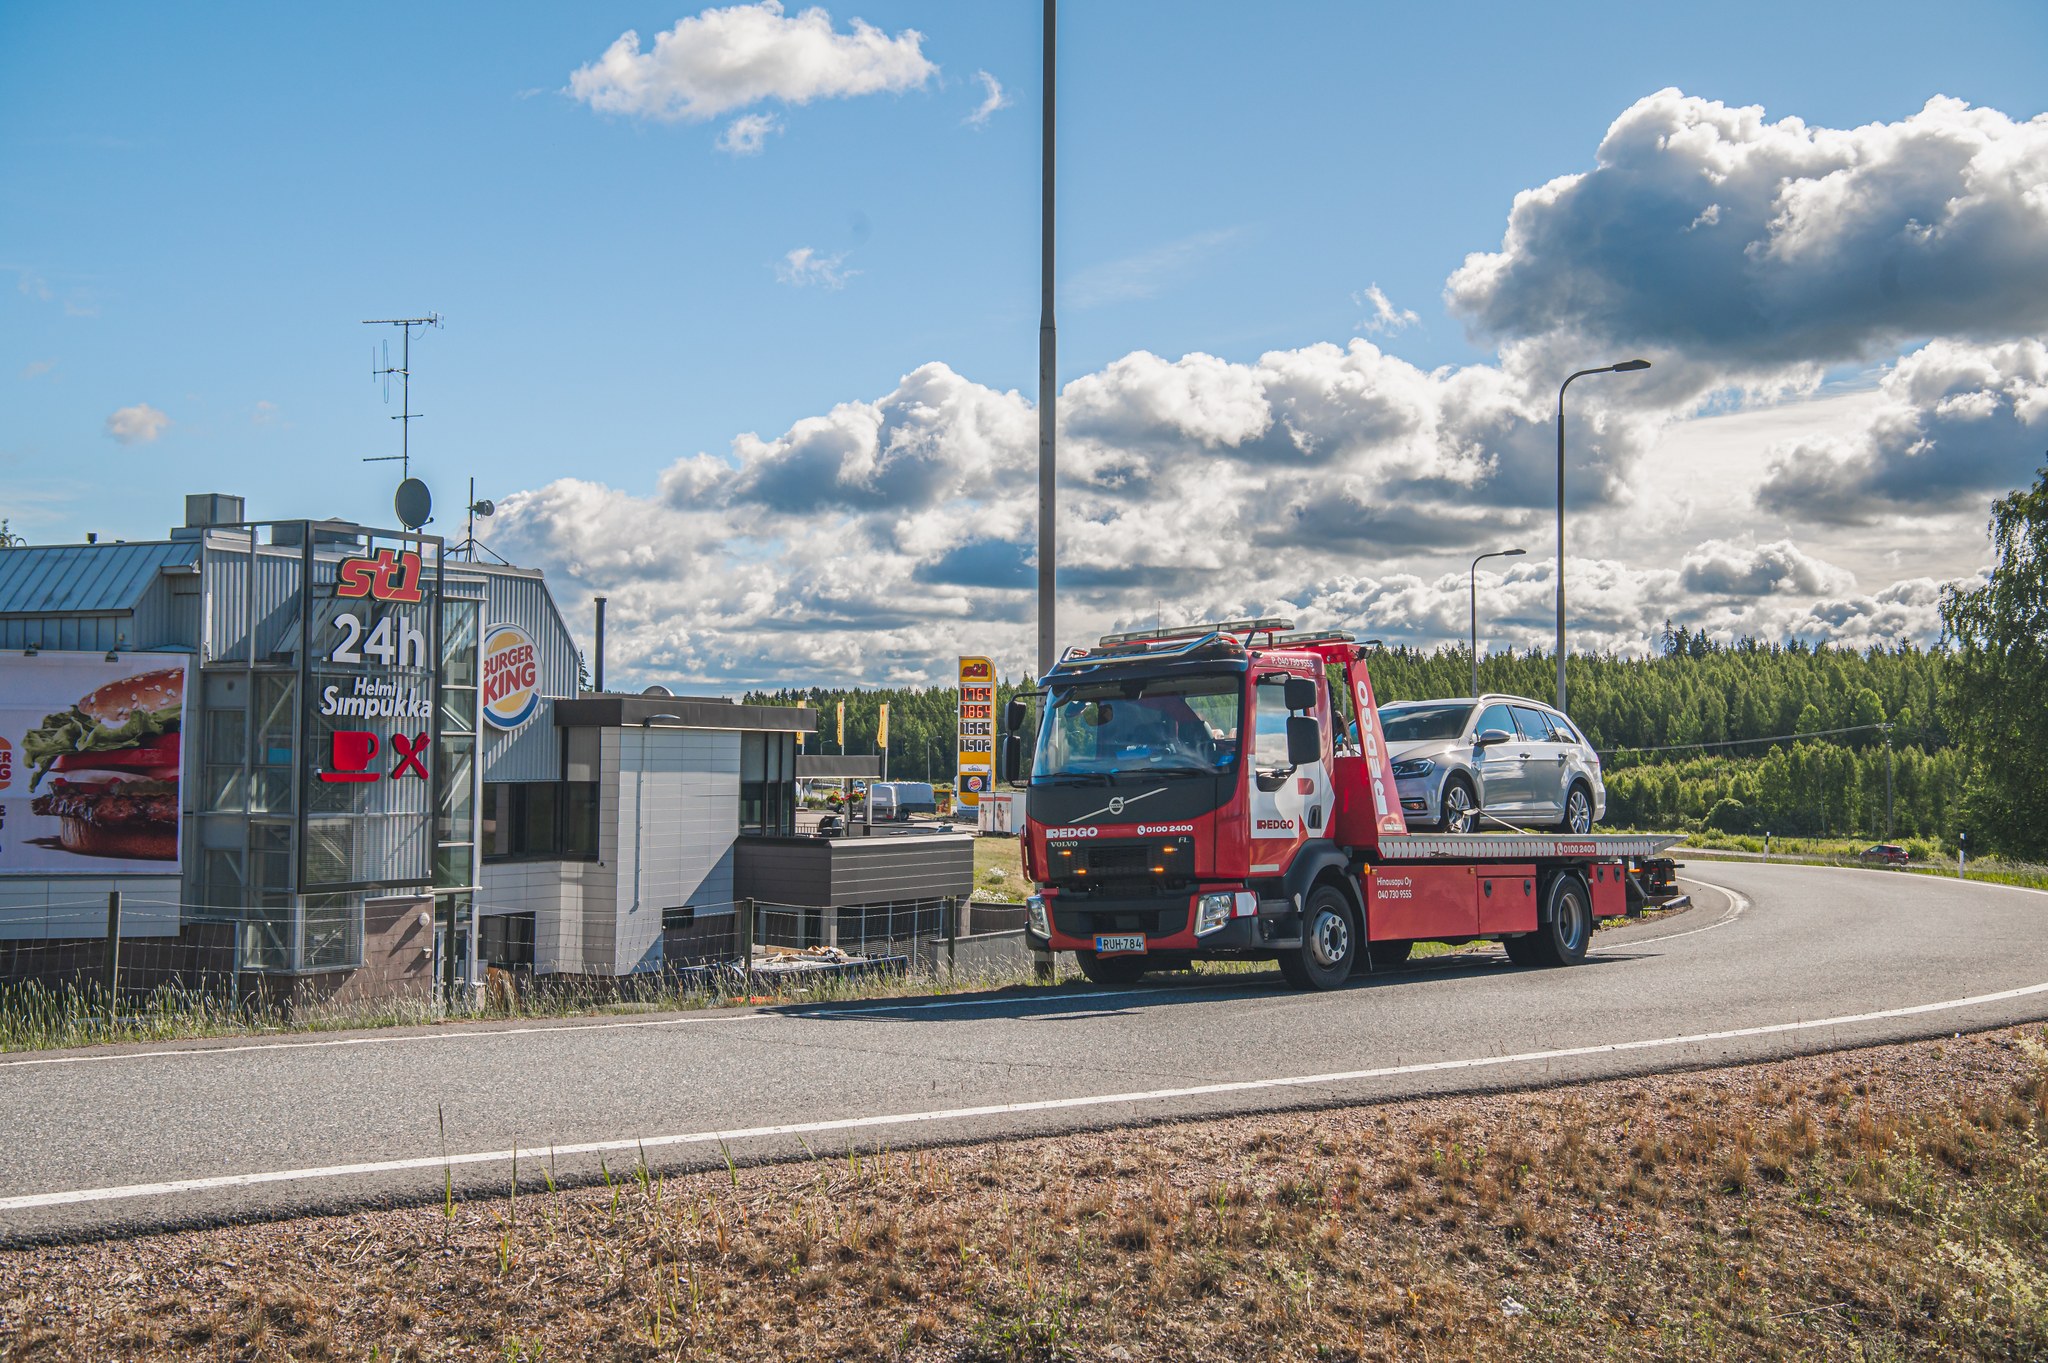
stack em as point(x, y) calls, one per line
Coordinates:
point(1223, 791)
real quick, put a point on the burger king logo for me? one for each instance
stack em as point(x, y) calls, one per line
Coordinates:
point(511, 677)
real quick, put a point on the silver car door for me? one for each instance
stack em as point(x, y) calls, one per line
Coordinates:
point(1545, 768)
point(1503, 780)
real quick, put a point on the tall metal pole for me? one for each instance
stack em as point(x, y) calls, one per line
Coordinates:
point(1048, 378)
point(1625, 367)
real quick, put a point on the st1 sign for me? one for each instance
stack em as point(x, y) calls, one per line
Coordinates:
point(977, 731)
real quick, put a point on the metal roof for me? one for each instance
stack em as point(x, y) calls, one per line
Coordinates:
point(85, 579)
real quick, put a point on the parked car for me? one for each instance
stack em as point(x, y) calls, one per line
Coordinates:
point(1884, 854)
point(1492, 763)
point(898, 800)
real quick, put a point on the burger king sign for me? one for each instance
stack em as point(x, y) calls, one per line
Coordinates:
point(511, 677)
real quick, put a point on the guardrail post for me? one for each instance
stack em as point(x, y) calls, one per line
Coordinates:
point(113, 957)
point(747, 947)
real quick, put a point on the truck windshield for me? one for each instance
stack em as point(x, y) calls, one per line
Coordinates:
point(1148, 724)
point(1410, 723)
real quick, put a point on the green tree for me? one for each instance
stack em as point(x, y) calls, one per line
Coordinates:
point(1994, 681)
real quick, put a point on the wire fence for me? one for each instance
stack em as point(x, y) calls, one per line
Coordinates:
point(119, 968)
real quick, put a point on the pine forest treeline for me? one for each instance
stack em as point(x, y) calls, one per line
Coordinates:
point(1646, 715)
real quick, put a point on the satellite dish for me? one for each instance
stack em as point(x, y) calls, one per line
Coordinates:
point(658, 690)
point(485, 507)
point(414, 504)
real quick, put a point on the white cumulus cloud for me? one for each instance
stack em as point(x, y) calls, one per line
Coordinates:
point(137, 425)
point(1710, 229)
point(805, 266)
point(748, 134)
point(992, 99)
point(725, 59)
point(1384, 317)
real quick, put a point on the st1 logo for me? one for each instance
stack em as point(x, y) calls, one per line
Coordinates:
point(386, 575)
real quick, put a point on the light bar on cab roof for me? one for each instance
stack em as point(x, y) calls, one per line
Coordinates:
point(1327, 636)
point(1265, 625)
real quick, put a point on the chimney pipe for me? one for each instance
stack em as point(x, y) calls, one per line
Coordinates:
point(597, 667)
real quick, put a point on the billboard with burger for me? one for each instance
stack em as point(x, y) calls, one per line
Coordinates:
point(93, 780)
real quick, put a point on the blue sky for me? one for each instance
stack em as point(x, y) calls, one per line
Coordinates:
point(197, 207)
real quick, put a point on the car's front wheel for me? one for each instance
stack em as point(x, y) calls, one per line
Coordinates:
point(1460, 806)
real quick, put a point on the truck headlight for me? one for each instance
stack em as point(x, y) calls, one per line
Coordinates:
point(1040, 925)
point(1413, 767)
point(1212, 911)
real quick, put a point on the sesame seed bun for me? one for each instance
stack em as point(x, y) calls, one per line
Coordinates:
point(113, 703)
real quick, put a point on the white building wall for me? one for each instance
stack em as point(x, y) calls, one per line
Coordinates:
point(677, 794)
point(558, 895)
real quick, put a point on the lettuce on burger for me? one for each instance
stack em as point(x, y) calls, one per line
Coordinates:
point(125, 735)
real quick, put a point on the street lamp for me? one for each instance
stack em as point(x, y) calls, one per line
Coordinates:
point(1625, 367)
point(1498, 553)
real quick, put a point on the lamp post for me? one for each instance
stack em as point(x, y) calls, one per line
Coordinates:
point(1048, 376)
point(1625, 367)
point(1498, 553)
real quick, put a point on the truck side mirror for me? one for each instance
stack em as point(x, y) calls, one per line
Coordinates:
point(1014, 715)
point(1300, 693)
point(1304, 739)
point(1010, 769)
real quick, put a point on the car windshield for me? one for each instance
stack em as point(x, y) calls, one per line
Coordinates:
point(1152, 724)
point(1411, 723)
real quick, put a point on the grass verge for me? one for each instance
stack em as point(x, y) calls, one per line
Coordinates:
point(1882, 1204)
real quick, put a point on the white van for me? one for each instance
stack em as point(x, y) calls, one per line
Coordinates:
point(896, 801)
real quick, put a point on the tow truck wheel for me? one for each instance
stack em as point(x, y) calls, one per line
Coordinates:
point(1110, 969)
point(1329, 943)
point(1562, 938)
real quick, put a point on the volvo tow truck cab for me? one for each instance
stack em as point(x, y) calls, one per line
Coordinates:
point(1224, 791)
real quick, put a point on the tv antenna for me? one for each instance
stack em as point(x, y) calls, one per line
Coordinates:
point(384, 369)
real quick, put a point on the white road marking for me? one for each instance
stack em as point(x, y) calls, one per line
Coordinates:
point(463, 1034)
point(1738, 904)
point(540, 1154)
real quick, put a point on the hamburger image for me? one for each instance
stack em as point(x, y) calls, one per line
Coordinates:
point(113, 759)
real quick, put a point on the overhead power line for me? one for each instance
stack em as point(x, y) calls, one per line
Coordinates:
point(1740, 742)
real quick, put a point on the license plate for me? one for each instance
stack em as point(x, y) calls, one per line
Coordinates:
point(1133, 942)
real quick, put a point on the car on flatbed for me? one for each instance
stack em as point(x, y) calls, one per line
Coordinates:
point(1491, 762)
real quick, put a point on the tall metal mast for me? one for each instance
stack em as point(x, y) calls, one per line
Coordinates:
point(1048, 377)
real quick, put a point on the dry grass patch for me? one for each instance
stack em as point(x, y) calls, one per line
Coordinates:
point(1883, 1204)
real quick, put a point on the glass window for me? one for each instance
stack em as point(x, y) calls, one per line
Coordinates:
point(1564, 731)
point(1270, 697)
point(1413, 723)
point(1534, 724)
point(579, 820)
point(226, 734)
point(458, 643)
point(505, 939)
point(458, 789)
point(333, 932)
point(1495, 717)
point(458, 711)
point(1184, 723)
point(274, 714)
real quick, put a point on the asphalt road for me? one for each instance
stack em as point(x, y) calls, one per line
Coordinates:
point(1772, 961)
